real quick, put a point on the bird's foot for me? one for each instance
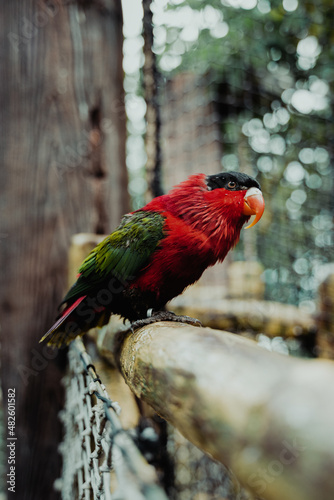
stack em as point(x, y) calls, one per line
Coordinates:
point(156, 316)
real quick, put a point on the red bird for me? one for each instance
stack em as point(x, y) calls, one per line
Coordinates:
point(157, 251)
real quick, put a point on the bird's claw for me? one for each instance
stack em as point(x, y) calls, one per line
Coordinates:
point(164, 316)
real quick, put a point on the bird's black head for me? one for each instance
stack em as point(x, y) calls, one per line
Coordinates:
point(233, 181)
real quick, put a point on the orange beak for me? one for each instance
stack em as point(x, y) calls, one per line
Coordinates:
point(253, 204)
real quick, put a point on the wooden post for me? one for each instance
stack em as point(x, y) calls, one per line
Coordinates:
point(62, 149)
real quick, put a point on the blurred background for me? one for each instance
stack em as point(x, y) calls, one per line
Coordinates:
point(103, 107)
point(247, 85)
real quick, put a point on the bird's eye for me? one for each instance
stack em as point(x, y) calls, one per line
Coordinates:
point(231, 185)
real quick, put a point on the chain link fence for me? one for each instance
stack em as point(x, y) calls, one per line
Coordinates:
point(100, 459)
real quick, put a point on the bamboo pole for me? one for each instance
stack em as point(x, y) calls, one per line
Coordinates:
point(267, 416)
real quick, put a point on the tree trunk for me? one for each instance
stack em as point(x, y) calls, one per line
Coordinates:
point(62, 147)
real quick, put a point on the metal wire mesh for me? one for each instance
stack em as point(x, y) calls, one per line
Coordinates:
point(100, 459)
point(199, 477)
point(87, 445)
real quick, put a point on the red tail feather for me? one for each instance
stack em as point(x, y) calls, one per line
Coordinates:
point(63, 317)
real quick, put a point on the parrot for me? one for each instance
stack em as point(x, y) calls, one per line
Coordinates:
point(156, 252)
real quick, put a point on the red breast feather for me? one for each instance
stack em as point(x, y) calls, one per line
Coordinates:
point(217, 214)
point(201, 226)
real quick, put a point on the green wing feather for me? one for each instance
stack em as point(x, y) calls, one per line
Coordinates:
point(122, 254)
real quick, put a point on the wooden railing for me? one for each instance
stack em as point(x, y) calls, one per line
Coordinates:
point(268, 417)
